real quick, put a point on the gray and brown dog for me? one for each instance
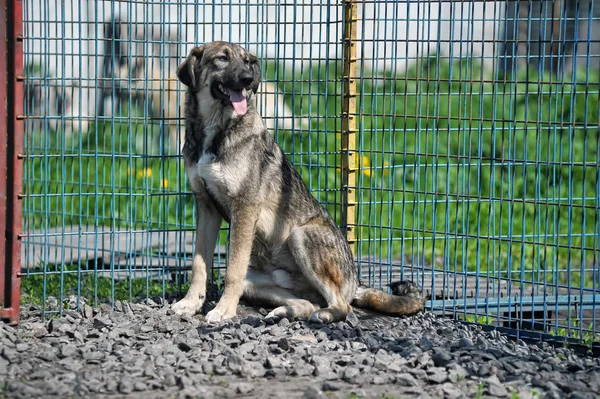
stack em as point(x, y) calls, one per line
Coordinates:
point(300, 262)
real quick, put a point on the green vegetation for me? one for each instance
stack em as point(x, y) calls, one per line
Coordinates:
point(583, 333)
point(457, 168)
point(479, 319)
point(479, 393)
point(95, 288)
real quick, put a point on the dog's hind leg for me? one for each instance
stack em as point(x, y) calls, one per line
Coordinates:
point(320, 254)
point(208, 222)
point(261, 289)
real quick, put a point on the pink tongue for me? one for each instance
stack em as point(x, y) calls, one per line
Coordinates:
point(238, 101)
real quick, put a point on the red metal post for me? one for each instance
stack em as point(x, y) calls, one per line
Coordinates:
point(11, 156)
point(3, 145)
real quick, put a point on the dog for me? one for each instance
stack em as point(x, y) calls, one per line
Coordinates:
point(285, 251)
point(56, 107)
point(165, 99)
point(141, 77)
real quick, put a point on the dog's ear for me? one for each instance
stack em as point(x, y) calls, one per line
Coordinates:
point(255, 67)
point(189, 71)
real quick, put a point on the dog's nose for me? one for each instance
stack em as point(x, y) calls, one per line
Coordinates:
point(246, 78)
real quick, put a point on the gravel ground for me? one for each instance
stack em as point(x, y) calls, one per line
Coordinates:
point(146, 351)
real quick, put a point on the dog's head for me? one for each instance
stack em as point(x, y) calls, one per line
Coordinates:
point(231, 74)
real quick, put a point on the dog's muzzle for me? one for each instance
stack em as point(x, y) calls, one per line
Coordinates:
point(237, 96)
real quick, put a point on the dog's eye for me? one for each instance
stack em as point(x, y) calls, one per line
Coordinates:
point(247, 61)
point(223, 58)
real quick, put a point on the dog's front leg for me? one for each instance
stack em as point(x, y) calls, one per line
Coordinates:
point(243, 224)
point(208, 222)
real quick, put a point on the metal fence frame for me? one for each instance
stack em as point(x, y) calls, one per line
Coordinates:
point(517, 309)
point(11, 160)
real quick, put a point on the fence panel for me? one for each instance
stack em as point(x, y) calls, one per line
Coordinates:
point(479, 148)
point(467, 160)
point(107, 210)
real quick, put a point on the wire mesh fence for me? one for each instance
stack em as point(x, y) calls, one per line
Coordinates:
point(457, 143)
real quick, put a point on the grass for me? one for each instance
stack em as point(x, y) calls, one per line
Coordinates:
point(584, 333)
point(95, 289)
point(479, 393)
point(84, 282)
point(480, 173)
point(456, 169)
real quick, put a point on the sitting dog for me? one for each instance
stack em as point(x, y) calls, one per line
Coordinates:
point(300, 263)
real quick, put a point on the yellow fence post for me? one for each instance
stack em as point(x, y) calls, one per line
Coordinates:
point(349, 123)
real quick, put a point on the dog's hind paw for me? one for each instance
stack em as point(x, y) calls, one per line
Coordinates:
point(187, 306)
point(328, 315)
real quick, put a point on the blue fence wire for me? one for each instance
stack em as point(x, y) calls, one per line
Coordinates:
point(478, 147)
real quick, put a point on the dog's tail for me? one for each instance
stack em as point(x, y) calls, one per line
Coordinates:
point(407, 299)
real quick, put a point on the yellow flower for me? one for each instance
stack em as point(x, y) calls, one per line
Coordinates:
point(364, 162)
point(144, 173)
point(164, 183)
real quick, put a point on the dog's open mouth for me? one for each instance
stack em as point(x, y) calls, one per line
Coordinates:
point(236, 97)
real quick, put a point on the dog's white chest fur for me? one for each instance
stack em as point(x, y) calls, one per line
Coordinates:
point(220, 179)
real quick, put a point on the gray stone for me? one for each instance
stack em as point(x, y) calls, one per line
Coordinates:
point(581, 395)
point(452, 392)
point(497, 390)
point(252, 369)
point(575, 367)
point(169, 380)
point(68, 350)
point(351, 374)
point(441, 357)
point(234, 363)
point(352, 320)
point(310, 339)
point(332, 386)
point(242, 388)
point(571, 385)
point(47, 355)
point(101, 322)
point(87, 311)
point(3, 366)
point(302, 369)
point(553, 395)
point(283, 344)
point(22, 347)
point(437, 375)
point(483, 370)
point(419, 374)
point(425, 344)
point(405, 379)
point(422, 359)
point(380, 379)
point(38, 330)
point(184, 382)
point(139, 386)
point(125, 386)
point(464, 343)
point(313, 393)
point(10, 354)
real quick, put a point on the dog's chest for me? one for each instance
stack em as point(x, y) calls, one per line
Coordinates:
point(221, 179)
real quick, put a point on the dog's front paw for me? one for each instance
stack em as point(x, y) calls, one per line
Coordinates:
point(187, 306)
point(220, 313)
